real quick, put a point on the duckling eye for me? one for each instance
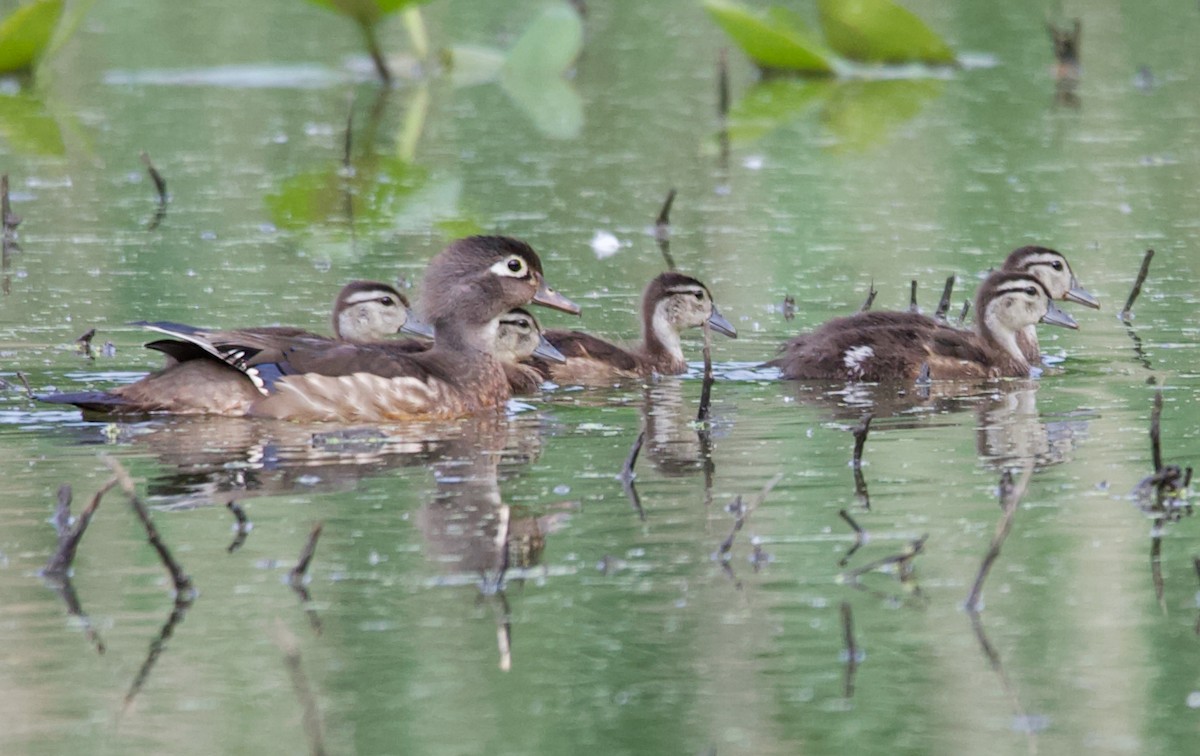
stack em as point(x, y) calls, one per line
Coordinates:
point(387, 301)
point(1031, 291)
point(698, 294)
point(1057, 265)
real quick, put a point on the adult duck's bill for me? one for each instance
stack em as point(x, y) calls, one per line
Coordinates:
point(1055, 316)
point(719, 324)
point(548, 351)
point(1080, 295)
point(416, 326)
point(548, 297)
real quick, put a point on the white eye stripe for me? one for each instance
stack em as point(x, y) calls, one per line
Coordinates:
point(369, 296)
point(501, 267)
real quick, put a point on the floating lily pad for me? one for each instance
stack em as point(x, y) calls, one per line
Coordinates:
point(26, 34)
point(770, 104)
point(774, 39)
point(880, 31)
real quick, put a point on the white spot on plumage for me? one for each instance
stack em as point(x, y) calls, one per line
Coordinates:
point(855, 359)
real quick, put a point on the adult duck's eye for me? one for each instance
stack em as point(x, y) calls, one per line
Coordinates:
point(515, 264)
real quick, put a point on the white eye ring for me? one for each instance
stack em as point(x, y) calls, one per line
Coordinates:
point(504, 267)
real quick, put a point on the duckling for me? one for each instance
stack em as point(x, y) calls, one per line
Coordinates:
point(882, 346)
point(1051, 268)
point(671, 303)
point(467, 287)
point(518, 338)
point(363, 312)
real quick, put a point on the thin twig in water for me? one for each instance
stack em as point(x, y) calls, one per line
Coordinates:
point(286, 642)
point(1010, 496)
point(789, 307)
point(1156, 431)
point(860, 438)
point(1127, 311)
point(160, 183)
point(723, 85)
point(706, 386)
point(25, 382)
point(1196, 564)
point(742, 511)
point(183, 583)
point(962, 316)
point(903, 559)
point(183, 601)
point(944, 303)
point(85, 344)
point(662, 230)
point(348, 138)
point(627, 474)
point(664, 215)
point(306, 555)
point(69, 537)
point(851, 647)
point(912, 298)
point(860, 537)
point(871, 293)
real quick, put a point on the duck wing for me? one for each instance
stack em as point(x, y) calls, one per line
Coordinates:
point(580, 345)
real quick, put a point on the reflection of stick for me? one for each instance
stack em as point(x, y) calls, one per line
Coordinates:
point(664, 215)
point(183, 583)
point(69, 537)
point(723, 85)
point(182, 603)
point(7, 219)
point(1010, 496)
point(160, 183)
point(286, 642)
point(860, 438)
point(310, 548)
point(1156, 576)
point(944, 304)
point(851, 647)
point(243, 526)
point(860, 536)
point(743, 513)
point(662, 230)
point(903, 559)
point(1126, 315)
point(1196, 564)
point(706, 386)
point(627, 473)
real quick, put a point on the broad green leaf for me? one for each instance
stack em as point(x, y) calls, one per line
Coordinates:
point(532, 74)
point(880, 31)
point(770, 104)
point(26, 125)
point(862, 113)
point(775, 39)
point(367, 199)
point(26, 33)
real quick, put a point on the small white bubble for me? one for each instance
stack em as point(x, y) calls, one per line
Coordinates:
point(562, 489)
point(1193, 699)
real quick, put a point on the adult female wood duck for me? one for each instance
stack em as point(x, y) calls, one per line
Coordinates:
point(671, 303)
point(467, 287)
point(881, 346)
point(1051, 268)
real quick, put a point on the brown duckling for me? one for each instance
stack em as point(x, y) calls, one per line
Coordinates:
point(363, 312)
point(519, 338)
point(671, 303)
point(875, 346)
point(467, 287)
point(1051, 268)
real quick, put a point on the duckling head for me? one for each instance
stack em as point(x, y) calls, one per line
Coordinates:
point(1010, 302)
point(675, 302)
point(1051, 268)
point(478, 278)
point(367, 311)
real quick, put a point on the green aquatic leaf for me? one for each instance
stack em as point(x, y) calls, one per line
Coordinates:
point(880, 31)
point(862, 113)
point(770, 104)
point(369, 197)
point(27, 126)
point(776, 38)
point(533, 72)
point(26, 33)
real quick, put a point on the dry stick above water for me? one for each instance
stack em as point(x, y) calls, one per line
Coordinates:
point(1126, 312)
point(944, 303)
point(662, 229)
point(183, 583)
point(871, 294)
point(1010, 496)
point(7, 219)
point(69, 537)
point(912, 297)
point(706, 386)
